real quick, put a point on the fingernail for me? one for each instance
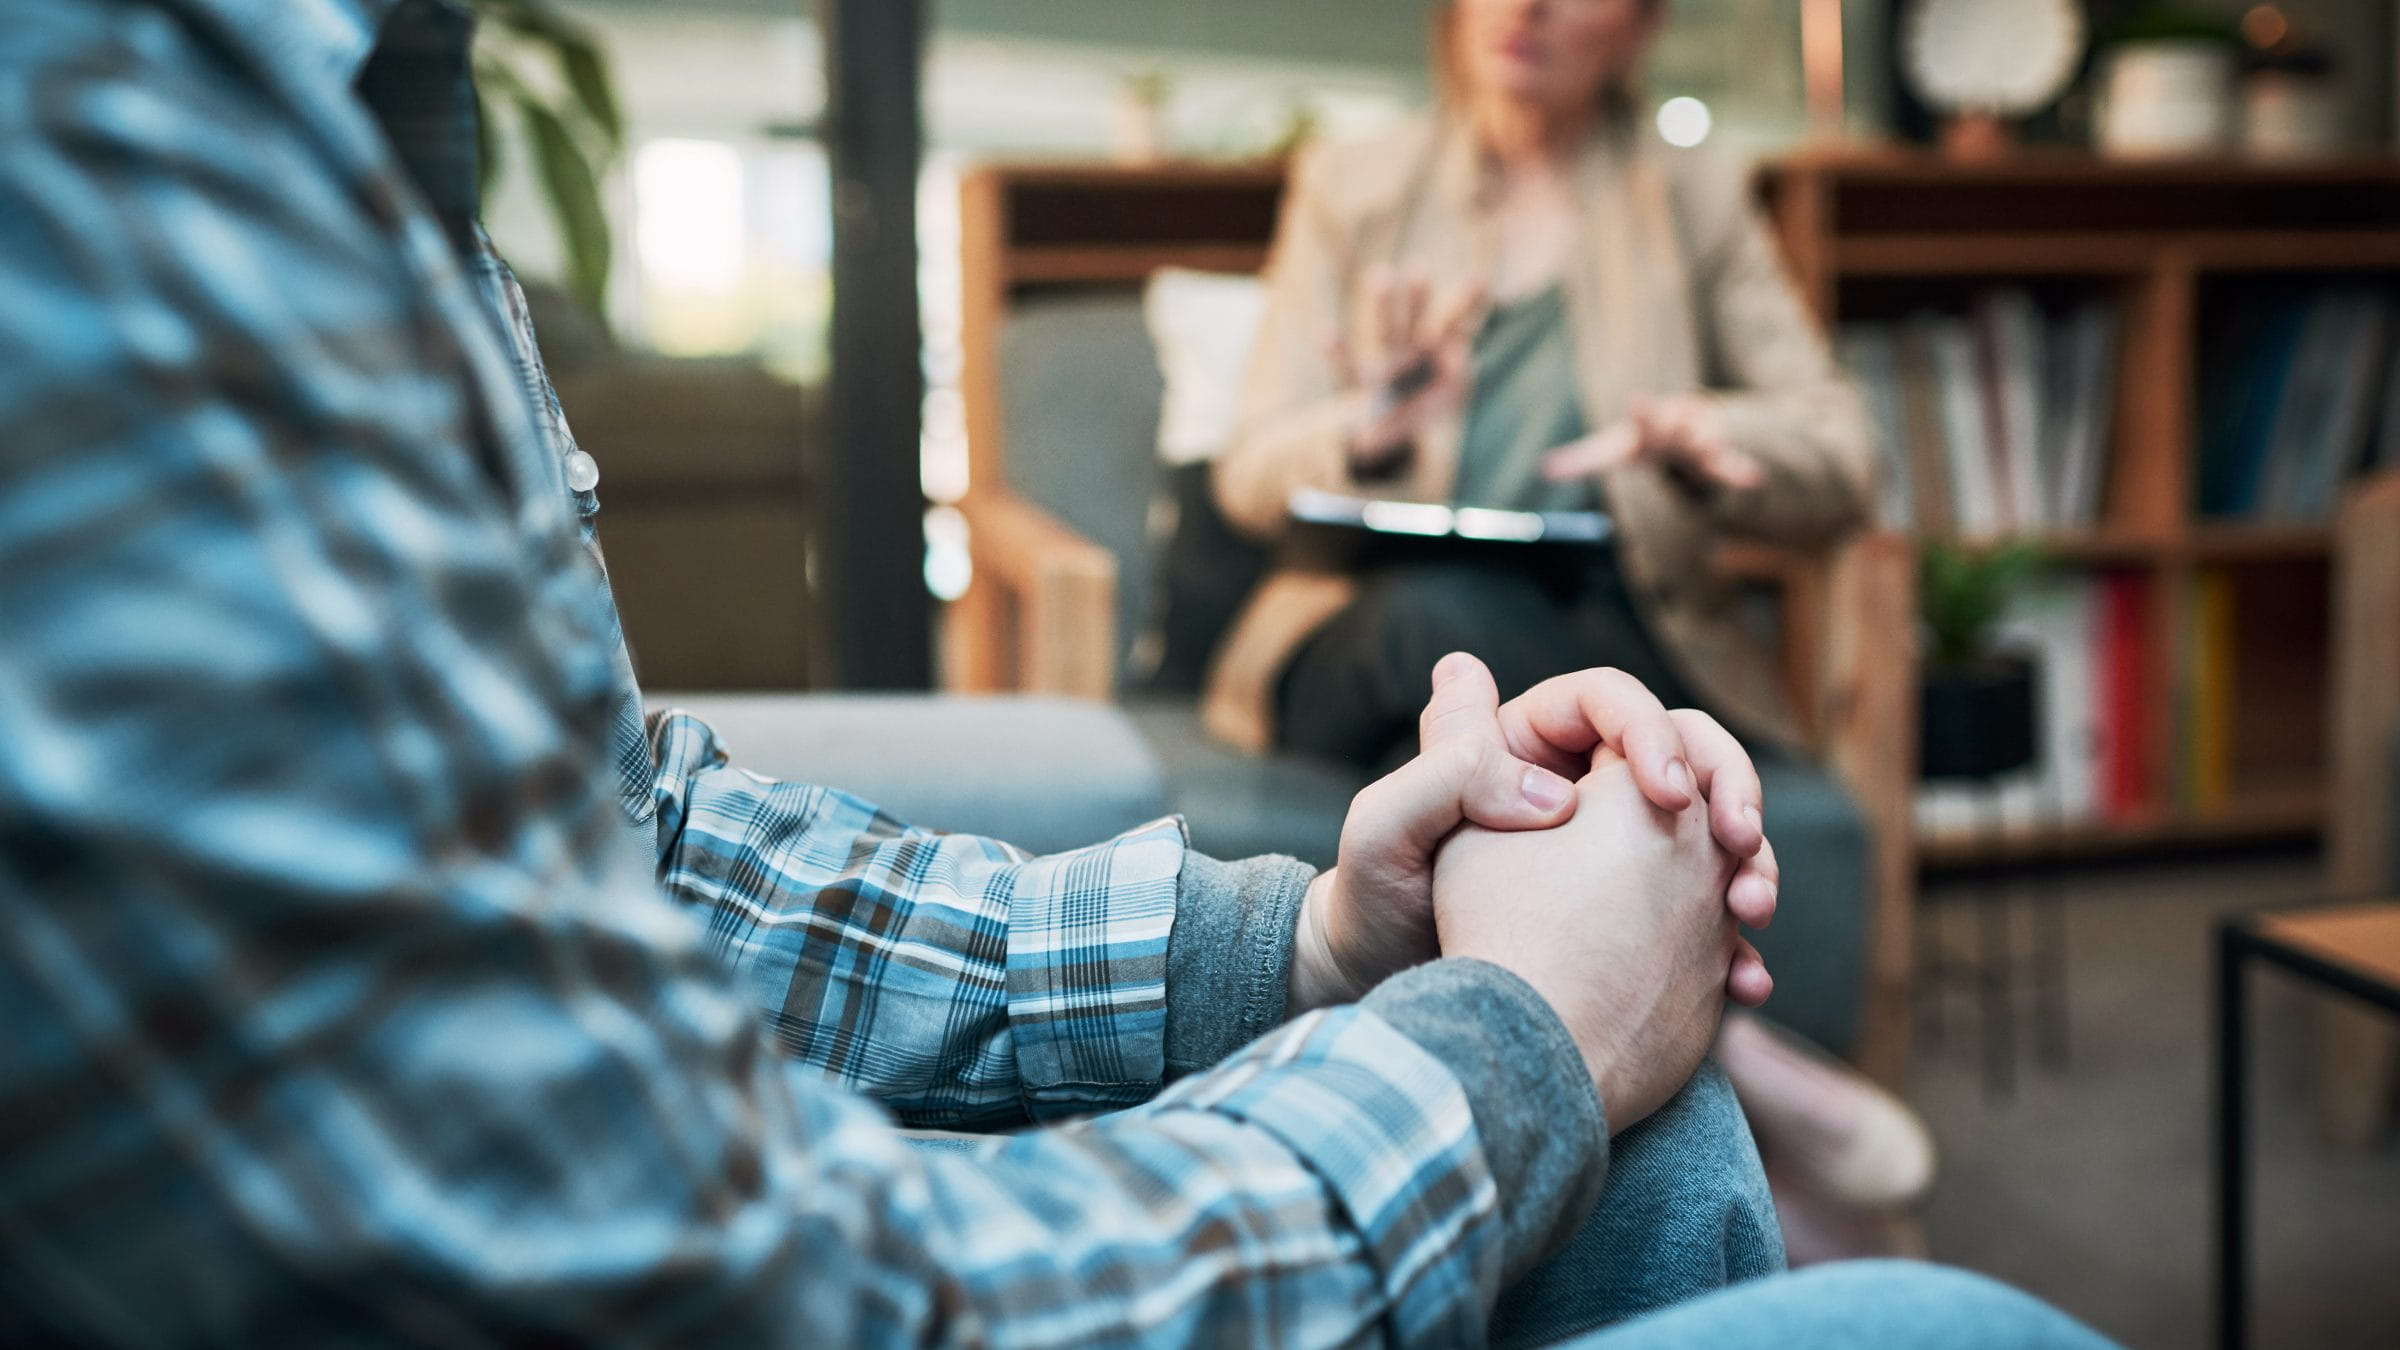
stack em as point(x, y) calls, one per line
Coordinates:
point(1750, 813)
point(1680, 778)
point(1546, 790)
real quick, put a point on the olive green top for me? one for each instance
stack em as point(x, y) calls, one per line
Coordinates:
point(1523, 406)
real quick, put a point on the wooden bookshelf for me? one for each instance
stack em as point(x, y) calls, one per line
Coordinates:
point(1865, 229)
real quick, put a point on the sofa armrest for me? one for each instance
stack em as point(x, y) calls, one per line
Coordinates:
point(2363, 802)
point(1866, 722)
point(1040, 615)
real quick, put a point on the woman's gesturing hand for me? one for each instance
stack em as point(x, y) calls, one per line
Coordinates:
point(1683, 433)
point(1419, 367)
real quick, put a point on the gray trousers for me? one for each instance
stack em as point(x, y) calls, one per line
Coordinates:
point(1686, 1213)
point(1683, 1251)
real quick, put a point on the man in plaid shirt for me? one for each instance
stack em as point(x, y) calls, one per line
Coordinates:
point(348, 962)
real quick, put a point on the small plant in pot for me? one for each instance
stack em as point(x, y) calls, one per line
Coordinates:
point(1980, 701)
point(2166, 83)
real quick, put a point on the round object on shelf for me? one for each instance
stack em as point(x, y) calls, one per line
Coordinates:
point(2005, 58)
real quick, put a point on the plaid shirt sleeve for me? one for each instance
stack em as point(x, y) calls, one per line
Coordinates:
point(342, 1007)
point(952, 978)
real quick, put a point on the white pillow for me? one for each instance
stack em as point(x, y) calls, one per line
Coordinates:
point(1202, 325)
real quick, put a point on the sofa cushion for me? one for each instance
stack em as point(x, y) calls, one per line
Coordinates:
point(1045, 774)
point(1242, 805)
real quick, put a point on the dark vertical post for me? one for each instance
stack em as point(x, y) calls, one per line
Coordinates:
point(2233, 1181)
point(876, 617)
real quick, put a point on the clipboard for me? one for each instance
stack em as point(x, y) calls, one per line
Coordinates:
point(1433, 521)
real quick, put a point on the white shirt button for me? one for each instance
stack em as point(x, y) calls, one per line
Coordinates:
point(583, 472)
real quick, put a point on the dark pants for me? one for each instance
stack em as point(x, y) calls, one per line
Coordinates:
point(1353, 691)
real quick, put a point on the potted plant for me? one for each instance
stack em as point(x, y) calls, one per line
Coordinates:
point(1142, 97)
point(2166, 84)
point(541, 73)
point(1979, 705)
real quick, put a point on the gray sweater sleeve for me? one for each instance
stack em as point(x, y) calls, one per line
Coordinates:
point(1229, 955)
point(1537, 1115)
point(1536, 1112)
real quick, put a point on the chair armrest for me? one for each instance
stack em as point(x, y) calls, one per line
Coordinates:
point(1866, 721)
point(2365, 692)
point(1849, 661)
point(1041, 613)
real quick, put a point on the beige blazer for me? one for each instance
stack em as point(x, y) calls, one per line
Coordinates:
point(1674, 286)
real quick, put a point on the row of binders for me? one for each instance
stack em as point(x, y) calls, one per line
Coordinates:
point(1992, 421)
point(2298, 392)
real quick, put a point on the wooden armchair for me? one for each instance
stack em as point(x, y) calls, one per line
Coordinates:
point(2358, 1070)
point(1042, 612)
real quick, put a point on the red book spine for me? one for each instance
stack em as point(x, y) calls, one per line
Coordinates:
point(2125, 662)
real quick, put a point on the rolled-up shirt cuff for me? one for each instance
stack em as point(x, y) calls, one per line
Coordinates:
point(1229, 956)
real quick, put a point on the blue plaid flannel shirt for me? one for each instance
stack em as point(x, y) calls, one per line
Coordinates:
point(341, 1000)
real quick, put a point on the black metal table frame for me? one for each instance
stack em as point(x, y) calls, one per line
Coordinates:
point(2237, 942)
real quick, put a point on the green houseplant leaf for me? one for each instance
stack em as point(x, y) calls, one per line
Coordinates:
point(587, 75)
point(489, 154)
point(1964, 592)
point(570, 137)
point(573, 189)
point(2170, 23)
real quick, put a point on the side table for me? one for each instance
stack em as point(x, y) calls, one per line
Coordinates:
point(2351, 949)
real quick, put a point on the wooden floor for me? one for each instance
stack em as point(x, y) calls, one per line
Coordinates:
point(2090, 1187)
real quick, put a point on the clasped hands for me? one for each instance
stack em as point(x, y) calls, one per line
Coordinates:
point(1584, 838)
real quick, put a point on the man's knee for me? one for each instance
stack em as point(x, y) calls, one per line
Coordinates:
point(1916, 1303)
point(1686, 1211)
point(1895, 1303)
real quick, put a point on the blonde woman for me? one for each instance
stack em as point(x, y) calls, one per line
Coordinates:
point(1526, 301)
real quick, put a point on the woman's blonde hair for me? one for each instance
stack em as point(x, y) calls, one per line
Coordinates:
point(1618, 102)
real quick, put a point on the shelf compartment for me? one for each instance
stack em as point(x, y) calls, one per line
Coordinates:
point(2280, 815)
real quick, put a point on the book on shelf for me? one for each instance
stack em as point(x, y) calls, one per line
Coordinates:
point(2296, 397)
point(2008, 353)
point(2386, 454)
point(1872, 354)
point(1996, 419)
point(1921, 455)
point(1965, 427)
point(2207, 711)
point(2124, 669)
point(2079, 410)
